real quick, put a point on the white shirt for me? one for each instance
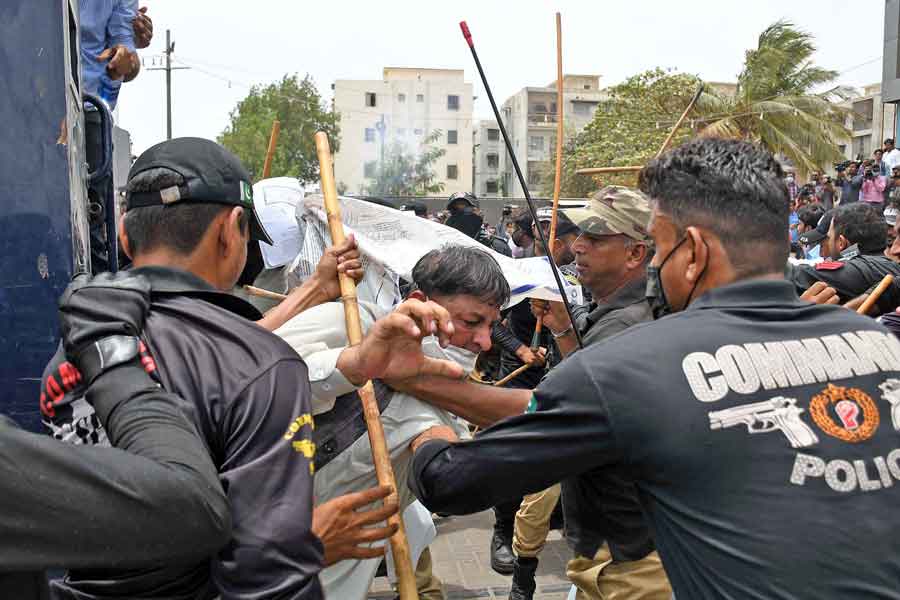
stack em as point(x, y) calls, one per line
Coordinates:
point(891, 159)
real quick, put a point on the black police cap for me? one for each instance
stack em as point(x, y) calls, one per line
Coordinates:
point(211, 175)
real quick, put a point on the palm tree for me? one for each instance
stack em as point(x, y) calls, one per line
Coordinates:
point(774, 104)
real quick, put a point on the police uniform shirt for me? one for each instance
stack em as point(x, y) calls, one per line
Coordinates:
point(248, 394)
point(607, 510)
point(851, 277)
point(626, 307)
point(762, 433)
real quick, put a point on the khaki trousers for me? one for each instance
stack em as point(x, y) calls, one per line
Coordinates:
point(427, 584)
point(533, 522)
point(600, 578)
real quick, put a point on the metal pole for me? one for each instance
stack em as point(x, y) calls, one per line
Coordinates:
point(168, 85)
point(515, 163)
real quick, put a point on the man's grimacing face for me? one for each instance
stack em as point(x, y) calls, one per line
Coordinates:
point(472, 317)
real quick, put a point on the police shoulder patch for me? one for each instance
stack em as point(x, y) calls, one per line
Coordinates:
point(829, 265)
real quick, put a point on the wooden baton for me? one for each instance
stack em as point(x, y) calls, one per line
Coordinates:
point(255, 291)
point(383, 470)
point(536, 338)
point(270, 152)
point(883, 285)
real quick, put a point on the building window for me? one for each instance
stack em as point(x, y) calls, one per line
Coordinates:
point(452, 171)
point(417, 131)
point(581, 108)
point(534, 177)
point(536, 143)
point(493, 135)
point(451, 136)
point(452, 102)
point(420, 97)
point(538, 107)
point(587, 86)
point(370, 99)
point(401, 98)
point(493, 161)
point(369, 169)
point(490, 186)
point(370, 134)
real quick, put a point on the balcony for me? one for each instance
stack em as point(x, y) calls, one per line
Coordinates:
point(542, 119)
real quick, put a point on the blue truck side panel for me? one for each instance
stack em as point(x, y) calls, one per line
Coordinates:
point(43, 222)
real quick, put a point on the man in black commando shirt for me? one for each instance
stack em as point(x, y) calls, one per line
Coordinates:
point(190, 216)
point(154, 499)
point(760, 431)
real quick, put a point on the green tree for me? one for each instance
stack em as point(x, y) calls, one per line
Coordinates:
point(628, 128)
point(404, 173)
point(775, 105)
point(772, 105)
point(298, 106)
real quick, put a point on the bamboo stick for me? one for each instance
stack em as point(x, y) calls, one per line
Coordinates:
point(255, 291)
point(663, 148)
point(866, 306)
point(511, 376)
point(680, 120)
point(599, 170)
point(270, 153)
point(536, 338)
point(383, 469)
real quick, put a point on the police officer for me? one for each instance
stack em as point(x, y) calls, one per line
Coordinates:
point(611, 256)
point(99, 508)
point(760, 430)
point(465, 216)
point(189, 219)
point(853, 244)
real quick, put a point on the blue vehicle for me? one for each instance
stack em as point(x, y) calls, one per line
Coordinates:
point(45, 213)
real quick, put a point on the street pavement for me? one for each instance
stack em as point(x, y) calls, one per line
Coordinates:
point(462, 560)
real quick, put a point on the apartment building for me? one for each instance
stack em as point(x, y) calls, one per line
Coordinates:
point(870, 121)
point(405, 106)
point(530, 119)
point(488, 147)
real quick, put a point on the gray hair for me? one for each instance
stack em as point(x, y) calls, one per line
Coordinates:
point(461, 270)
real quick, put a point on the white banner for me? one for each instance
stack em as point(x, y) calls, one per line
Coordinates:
point(398, 239)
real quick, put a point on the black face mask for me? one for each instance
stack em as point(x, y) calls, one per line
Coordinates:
point(656, 293)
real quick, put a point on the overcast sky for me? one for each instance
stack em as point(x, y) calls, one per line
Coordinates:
point(233, 44)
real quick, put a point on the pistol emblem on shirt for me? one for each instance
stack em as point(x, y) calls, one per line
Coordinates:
point(778, 414)
point(890, 391)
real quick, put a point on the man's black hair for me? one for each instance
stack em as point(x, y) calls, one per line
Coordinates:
point(455, 269)
point(179, 226)
point(861, 224)
point(731, 187)
point(810, 214)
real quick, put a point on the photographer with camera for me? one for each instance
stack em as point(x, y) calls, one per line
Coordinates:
point(826, 196)
point(873, 186)
point(850, 181)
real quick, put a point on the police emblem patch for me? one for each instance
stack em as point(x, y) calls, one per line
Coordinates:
point(847, 404)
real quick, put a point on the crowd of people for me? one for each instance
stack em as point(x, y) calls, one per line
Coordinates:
point(715, 419)
point(240, 467)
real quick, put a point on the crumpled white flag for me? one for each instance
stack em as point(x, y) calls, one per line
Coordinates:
point(394, 241)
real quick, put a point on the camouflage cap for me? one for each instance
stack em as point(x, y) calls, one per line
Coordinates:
point(612, 210)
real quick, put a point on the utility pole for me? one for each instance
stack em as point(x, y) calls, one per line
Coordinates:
point(168, 68)
point(169, 48)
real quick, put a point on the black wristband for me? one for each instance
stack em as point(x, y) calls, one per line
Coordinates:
point(106, 353)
